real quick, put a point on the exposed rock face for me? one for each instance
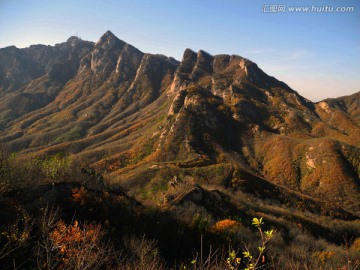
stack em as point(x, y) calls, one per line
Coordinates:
point(108, 101)
point(105, 54)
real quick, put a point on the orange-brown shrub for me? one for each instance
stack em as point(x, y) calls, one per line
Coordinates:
point(225, 224)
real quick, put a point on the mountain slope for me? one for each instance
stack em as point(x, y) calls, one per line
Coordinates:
point(144, 120)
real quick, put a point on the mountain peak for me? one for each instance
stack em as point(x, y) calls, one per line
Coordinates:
point(73, 38)
point(204, 53)
point(110, 41)
point(188, 51)
point(108, 35)
point(109, 38)
point(105, 53)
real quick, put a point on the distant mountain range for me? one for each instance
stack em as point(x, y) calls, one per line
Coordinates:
point(162, 129)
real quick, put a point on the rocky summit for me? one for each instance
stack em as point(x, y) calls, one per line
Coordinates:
point(211, 130)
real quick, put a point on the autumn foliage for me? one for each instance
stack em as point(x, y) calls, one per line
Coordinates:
point(224, 224)
point(79, 195)
point(78, 246)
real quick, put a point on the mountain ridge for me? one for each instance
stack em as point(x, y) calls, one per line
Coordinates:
point(141, 118)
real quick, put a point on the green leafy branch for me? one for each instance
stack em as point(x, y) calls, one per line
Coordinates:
point(252, 260)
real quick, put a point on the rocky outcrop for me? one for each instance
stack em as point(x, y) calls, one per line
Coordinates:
point(105, 54)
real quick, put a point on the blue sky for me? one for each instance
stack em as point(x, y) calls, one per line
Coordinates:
point(316, 53)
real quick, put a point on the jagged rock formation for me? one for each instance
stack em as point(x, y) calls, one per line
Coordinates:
point(141, 119)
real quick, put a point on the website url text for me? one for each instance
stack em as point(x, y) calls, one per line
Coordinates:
point(312, 9)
